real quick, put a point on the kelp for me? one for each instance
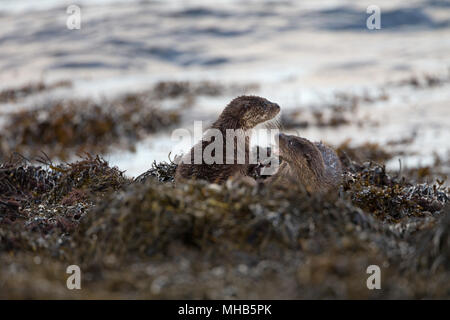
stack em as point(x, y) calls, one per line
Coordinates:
point(151, 238)
point(387, 197)
point(354, 156)
point(68, 127)
point(42, 198)
point(13, 94)
point(162, 172)
point(341, 111)
point(176, 89)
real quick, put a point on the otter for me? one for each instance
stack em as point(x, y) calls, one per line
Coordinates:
point(314, 165)
point(244, 113)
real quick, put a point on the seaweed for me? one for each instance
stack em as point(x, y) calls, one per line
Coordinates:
point(175, 89)
point(42, 198)
point(342, 110)
point(434, 246)
point(391, 198)
point(14, 94)
point(352, 156)
point(424, 81)
point(323, 242)
point(64, 128)
point(150, 238)
point(163, 172)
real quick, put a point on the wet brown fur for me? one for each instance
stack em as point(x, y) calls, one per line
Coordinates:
point(244, 112)
point(314, 165)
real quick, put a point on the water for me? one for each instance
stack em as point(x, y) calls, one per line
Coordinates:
point(300, 53)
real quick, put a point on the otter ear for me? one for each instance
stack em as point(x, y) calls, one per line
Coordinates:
point(308, 158)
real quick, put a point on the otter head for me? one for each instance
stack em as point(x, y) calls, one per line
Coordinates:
point(245, 112)
point(302, 155)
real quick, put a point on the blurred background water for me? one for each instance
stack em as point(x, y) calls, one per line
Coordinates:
point(300, 53)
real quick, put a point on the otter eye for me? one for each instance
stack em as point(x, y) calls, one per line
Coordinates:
point(291, 143)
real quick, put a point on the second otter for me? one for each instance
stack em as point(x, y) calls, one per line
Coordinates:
point(314, 165)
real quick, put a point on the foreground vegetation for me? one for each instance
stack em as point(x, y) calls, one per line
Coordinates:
point(146, 238)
